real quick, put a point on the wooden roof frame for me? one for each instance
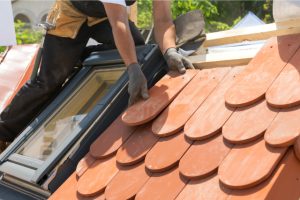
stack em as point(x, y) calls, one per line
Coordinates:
point(254, 33)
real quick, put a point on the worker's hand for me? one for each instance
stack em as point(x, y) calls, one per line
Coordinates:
point(137, 87)
point(176, 61)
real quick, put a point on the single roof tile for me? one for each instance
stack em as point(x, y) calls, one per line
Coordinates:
point(297, 148)
point(284, 184)
point(262, 71)
point(208, 188)
point(248, 165)
point(203, 157)
point(137, 146)
point(161, 94)
point(127, 183)
point(248, 123)
point(213, 113)
point(83, 165)
point(285, 128)
point(95, 179)
point(68, 190)
point(187, 102)
point(164, 186)
point(285, 90)
point(167, 152)
point(111, 139)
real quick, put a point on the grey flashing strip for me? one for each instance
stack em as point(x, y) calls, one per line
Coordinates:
point(17, 170)
point(19, 186)
point(9, 191)
point(28, 161)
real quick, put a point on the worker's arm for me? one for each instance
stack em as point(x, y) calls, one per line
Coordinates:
point(165, 36)
point(118, 18)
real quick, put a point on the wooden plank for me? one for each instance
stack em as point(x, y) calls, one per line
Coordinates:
point(253, 33)
point(232, 58)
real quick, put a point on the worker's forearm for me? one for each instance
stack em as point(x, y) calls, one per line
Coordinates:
point(164, 29)
point(165, 35)
point(124, 42)
point(118, 18)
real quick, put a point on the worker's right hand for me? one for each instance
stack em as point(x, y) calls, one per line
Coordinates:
point(176, 61)
point(137, 87)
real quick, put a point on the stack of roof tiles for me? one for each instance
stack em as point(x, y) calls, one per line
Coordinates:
point(224, 133)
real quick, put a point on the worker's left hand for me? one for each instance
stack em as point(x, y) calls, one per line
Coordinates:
point(137, 87)
point(176, 61)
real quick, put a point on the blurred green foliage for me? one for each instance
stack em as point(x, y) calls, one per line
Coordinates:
point(2, 49)
point(219, 15)
point(25, 34)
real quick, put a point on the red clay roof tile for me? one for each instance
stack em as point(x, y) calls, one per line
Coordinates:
point(247, 165)
point(240, 128)
point(254, 170)
point(137, 146)
point(204, 157)
point(94, 181)
point(173, 118)
point(214, 109)
point(68, 190)
point(297, 148)
point(127, 183)
point(111, 139)
point(166, 185)
point(285, 90)
point(208, 188)
point(262, 70)
point(84, 164)
point(160, 96)
point(285, 128)
point(167, 152)
point(284, 184)
point(15, 70)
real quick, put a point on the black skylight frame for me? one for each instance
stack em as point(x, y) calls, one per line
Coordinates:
point(109, 59)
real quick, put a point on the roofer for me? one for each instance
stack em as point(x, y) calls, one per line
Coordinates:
point(75, 22)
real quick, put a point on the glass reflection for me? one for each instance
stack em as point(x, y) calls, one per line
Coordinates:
point(66, 120)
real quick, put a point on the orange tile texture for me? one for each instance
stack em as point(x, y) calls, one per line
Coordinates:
point(15, 70)
point(212, 134)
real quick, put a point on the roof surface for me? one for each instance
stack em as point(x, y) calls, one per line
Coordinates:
point(224, 133)
point(15, 70)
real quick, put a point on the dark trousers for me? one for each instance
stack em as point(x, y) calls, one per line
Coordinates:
point(60, 56)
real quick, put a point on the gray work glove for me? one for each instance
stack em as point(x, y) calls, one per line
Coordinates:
point(137, 86)
point(176, 61)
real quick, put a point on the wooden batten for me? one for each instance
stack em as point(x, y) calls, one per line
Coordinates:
point(253, 33)
point(231, 58)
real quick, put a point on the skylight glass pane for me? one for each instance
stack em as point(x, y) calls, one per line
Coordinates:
point(66, 120)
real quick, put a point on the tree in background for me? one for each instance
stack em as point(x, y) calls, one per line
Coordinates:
point(25, 35)
point(219, 15)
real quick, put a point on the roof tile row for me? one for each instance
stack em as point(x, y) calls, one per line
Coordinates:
point(219, 138)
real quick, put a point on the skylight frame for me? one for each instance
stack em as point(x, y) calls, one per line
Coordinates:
point(40, 167)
